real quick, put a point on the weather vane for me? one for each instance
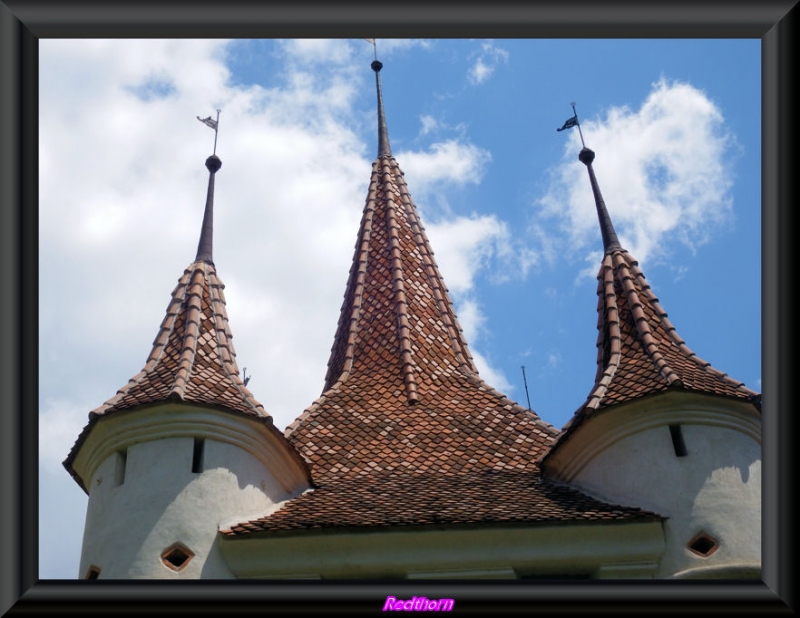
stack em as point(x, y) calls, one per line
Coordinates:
point(214, 124)
point(573, 122)
point(374, 47)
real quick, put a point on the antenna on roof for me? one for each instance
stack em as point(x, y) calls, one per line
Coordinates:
point(245, 377)
point(525, 381)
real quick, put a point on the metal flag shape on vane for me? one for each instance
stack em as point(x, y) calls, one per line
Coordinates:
point(214, 124)
point(209, 121)
point(374, 46)
point(573, 122)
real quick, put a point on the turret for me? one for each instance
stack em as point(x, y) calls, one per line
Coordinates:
point(662, 429)
point(183, 447)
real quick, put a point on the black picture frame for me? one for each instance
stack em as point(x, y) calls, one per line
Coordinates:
point(24, 22)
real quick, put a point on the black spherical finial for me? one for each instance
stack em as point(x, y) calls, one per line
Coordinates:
point(376, 65)
point(586, 156)
point(213, 164)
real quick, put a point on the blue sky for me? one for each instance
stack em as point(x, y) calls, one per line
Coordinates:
point(507, 207)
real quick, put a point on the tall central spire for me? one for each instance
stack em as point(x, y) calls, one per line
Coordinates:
point(383, 133)
point(402, 391)
point(397, 317)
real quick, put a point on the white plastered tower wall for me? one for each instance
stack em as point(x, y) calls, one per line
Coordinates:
point(711, 495)
point(162, 479)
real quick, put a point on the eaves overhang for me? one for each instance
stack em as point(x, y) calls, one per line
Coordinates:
point(105, 434)
point(595, 549)
point(582, 441)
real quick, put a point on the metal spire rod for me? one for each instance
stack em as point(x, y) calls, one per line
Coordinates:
point(525, 381)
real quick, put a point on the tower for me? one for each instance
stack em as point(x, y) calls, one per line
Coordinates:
point(183, 446)
point(663, 429)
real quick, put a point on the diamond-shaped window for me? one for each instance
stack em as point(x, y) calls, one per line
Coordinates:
point(703, 545)
point(177, 556)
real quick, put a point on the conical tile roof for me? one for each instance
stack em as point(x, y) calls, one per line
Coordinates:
point(639, 352)
point(404, 412)
point(192, 358)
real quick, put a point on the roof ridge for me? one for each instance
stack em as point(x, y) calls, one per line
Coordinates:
point(441, 295)
point(606, 368)
point(640, 320)
point(401, 304)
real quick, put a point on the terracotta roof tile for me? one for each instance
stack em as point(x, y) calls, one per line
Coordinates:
point(639, 352)
point(192, 358)
point(401, 499)
point(404, 412)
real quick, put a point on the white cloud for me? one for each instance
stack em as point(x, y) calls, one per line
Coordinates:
point(429, 124)
point(464, 247)
point(662, 171)
point(318, 51)
point(489, 57)
point(451, 161)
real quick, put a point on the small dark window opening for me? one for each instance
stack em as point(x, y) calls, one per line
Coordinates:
point(197, 455)
point(177, 556)
point(703, 545)
point(93, 573)
point(119, 472)
point(677, 440)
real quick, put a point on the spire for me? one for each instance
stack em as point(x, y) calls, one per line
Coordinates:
point(205, 245)
point(639, 351)
point(383, 133)
point(192, 358)
point(402, 392)
point(610, 241)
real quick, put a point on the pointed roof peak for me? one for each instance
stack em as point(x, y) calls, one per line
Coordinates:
point(610, 240)
point(384, 149)
point(192, 358)
point(206, 242)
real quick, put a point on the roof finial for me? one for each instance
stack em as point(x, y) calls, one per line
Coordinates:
point(213, 163)
point(383, 133)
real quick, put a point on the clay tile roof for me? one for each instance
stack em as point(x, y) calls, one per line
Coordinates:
point(423, 499)
point(639, 352)
point(402, 394)
point(404, 411)
point(192, 358)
